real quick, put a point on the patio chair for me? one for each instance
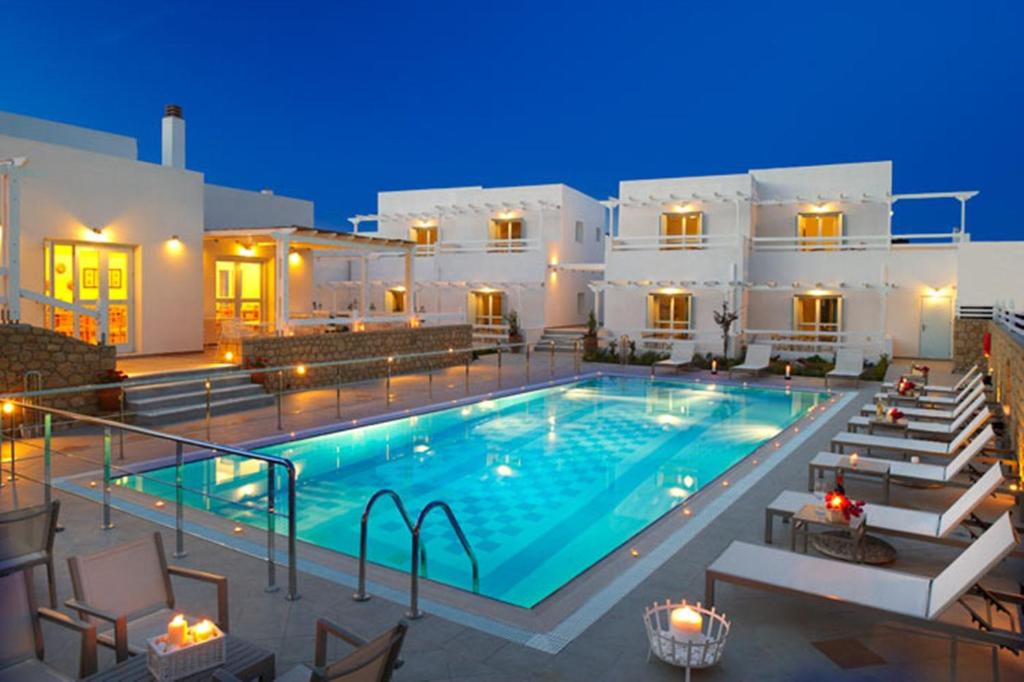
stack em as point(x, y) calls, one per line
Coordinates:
point(21, 633)
point(910, 446)
point(939, 388)
point(908, 523)
point(907, 471)
point(932, 413)
point(951, 400)
point(126, 590)
point(759, 355)
point(905, 596)
point(372, 661)
point(935, 430)
point(682, 356)
point(849, 365)
point(26, 541)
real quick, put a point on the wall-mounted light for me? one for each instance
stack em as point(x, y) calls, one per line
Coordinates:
point(245, 250)
point(95, 234)
point(294, 258)
point(174, 244)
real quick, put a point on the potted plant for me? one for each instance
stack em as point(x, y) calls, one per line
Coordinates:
point(515, 334)
point(590, 338)
point(256, 363)
point(109, 399)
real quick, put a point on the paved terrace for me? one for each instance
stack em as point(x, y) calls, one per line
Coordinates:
point(774, 637)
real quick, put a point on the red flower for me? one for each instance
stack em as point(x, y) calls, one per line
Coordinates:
point(850, 508)
point(896, 414)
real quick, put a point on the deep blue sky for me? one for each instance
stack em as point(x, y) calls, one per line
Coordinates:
point(335, 101)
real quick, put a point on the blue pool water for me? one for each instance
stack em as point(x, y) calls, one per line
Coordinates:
point(544, 483)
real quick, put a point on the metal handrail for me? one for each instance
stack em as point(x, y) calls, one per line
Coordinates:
point(361, 594)
point(414, 589)
point(272, 460)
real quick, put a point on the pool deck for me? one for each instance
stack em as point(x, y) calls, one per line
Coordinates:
point(774, 637)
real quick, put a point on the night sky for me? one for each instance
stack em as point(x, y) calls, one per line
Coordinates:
point(336, 101)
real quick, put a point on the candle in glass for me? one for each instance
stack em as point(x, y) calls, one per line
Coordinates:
point(714, 366)
point(177, 631)
point(202, 631)
point(854, 458)
point(685, 624)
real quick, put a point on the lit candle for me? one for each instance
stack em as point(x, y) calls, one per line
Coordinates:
point(854, 458)
point(789, 371)
point(714, 366)
point(177, 631)
point(202, 631)
point(685, 624)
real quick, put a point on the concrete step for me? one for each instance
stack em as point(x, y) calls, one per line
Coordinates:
point(191, 394)
point(197, 410)
point(169, 384)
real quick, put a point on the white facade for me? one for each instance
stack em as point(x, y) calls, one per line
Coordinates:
point(100, 244)
point(753, 243)
point(528, 249)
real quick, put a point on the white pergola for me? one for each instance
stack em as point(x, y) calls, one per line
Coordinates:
point(328, 245)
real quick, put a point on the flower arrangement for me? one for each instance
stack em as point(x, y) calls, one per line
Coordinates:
point(921, 371)
point(895, 414)
point(905, 386)
point(837, 503)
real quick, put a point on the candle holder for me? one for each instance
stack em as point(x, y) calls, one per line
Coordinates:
point(167, 662)
point(692, 651)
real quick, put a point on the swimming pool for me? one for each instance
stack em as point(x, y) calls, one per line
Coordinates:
point(544, 483)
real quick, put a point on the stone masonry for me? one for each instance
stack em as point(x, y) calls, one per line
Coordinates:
point(309, 349)
point(62, 361)
point(967, 350)
point(1007, 363)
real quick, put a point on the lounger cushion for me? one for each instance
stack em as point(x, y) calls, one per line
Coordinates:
point(879, 516)
point(924, 472)
point(919, 427)
point(973, 564)
point(927, 447)
point(877, 588)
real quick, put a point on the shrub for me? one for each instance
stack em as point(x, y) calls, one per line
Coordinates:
point(876, 371)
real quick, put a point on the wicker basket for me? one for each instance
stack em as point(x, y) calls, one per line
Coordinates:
point(702, 651)
point(185, 661)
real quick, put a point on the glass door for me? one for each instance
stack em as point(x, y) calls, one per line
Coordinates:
point(239, 292)
point(488, 309)
point(85, 275)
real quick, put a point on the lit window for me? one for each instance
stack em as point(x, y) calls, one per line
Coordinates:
point(396, 300)
point(425, 238)
point(681, 230)
point(668, 315)
point(819, 231)
point(506, 235)
point(487, 309)
point(818, 317)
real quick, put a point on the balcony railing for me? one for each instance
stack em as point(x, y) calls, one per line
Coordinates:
point(868, 242)
point(674, 242)
point(1012, 321)
point(480, 246)
point(808, 341)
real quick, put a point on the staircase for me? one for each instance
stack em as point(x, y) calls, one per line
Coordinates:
point(185, 397)
point(563, 338)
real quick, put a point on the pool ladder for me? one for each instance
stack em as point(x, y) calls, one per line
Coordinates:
point(419, 552)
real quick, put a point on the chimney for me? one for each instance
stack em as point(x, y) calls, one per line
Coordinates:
point(172, 142)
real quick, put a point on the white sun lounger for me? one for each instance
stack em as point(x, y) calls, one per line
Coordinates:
point(682, 355)
point(928, 413)
point(943, 400)
point(920, 472)
point(759, 355)
point(849, 365)
point(910, 446)
point(939, 388)
point(910, 523)
point(937, 430)
point(906, 596)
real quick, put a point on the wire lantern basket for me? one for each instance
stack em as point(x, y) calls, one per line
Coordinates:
point(692, 651)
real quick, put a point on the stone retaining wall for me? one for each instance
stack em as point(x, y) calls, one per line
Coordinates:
point(967, 350)
point(62, 361)
point(274, 351)
point(1007, 363)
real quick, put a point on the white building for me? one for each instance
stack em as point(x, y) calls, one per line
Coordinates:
point(807, 257)
point(149, 257)
point(481, 254)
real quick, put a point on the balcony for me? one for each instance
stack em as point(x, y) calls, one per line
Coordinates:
point(867, 242)
point(665, 242)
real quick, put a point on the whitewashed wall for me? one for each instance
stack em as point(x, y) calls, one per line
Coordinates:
point(227, 207)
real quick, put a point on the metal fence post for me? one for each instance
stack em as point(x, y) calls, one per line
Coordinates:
point(499, 366)
point(179, 501)
point(271, 529)
point(107, 525)
point(551, 359)
point(430, 383)
point(293, 570)
point(280, 388)
point(47, 425)
point(208, 408)
point(387, 383)
point(13, 436)
point(120, 432)
point(576, 357)
point(468, 357)
point(527, 346)
point(337, 391)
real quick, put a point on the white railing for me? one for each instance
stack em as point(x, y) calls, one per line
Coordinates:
point(99, 313)
point(867, 242)
point(974, 312)
point(822, 341)
point(1012, 321)
point(664, 242)
point(488, 246)
point(490, 332)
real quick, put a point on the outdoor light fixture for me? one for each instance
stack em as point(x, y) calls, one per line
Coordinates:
point(8, 408)
point(229, 356)
point(174, 244)
point(301, 370)
point(294, 258)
